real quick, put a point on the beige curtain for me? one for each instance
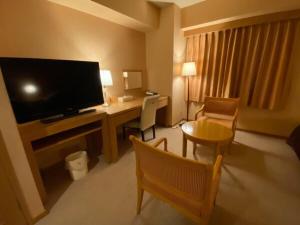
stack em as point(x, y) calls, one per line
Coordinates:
point(248, 62)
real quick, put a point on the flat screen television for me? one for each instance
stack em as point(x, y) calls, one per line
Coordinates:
point(41, 88)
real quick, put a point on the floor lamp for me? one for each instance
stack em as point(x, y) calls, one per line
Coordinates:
point(188, 69)
point(106, 81)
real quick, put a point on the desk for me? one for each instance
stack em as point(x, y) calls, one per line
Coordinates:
point(121, 112)
point(40, 138)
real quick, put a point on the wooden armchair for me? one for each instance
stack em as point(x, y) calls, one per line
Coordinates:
point(187, 185)
point(223, 111)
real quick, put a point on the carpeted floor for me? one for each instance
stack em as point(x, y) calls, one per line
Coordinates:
point(260, 185)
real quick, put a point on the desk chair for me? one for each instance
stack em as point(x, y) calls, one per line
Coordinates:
point(147, 119)
point(187, 185)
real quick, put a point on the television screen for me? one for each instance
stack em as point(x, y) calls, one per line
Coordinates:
point(40, 88)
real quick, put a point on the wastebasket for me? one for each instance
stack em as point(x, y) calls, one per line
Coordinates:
point(76, 163)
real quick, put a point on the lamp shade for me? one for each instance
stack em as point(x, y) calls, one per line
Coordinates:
point(189, 69)
point(106, 79)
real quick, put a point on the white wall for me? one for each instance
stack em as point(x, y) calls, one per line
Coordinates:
point(165, 55)
point(178, 103)
point(159, 57)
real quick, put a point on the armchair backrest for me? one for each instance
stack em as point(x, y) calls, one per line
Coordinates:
point(224, 106)
point(181, 177)
point(148, 114)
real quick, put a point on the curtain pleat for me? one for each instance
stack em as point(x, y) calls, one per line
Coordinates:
point(247, 62)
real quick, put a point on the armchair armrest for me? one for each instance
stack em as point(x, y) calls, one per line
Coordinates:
point(235, 116)
point(199, 111)
point(159, 141)
point(217, 166)
point(215, 181)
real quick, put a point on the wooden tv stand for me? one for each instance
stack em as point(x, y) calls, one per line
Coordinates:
point(40, 138)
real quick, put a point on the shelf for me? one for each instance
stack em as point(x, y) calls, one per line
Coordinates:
point(63, 137)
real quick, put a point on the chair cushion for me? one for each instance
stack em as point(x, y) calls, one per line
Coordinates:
point(223, 122)
point(219, 116)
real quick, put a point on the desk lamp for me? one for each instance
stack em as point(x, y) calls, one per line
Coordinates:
point(106, 81)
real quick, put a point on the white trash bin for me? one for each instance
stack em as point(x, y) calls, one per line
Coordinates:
point(77, 164)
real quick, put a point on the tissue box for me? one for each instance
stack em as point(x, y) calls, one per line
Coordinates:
point(125, 98)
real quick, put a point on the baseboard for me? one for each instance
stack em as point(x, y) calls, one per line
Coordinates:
point(262, 133)
point(173, 124)
point(39, 217)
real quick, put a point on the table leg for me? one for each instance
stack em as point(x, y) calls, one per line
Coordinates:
point(229, 146)
point(113, 141)
point(194, 147)
point(106, 141)
point(217, 150)
point(184, 145)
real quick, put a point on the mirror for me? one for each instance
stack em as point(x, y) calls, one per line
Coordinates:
point(132, 79)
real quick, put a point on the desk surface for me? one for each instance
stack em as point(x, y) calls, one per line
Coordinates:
point(120, 107)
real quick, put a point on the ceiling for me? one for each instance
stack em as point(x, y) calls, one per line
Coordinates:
point(103, 12)
point(180, 3)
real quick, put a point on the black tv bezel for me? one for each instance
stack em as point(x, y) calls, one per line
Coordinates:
point(61, 111)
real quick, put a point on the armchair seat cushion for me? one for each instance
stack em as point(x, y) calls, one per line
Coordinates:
point(219, 116)
point(223, 122)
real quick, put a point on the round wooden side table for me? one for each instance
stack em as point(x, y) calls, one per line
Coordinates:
point(206, 133)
